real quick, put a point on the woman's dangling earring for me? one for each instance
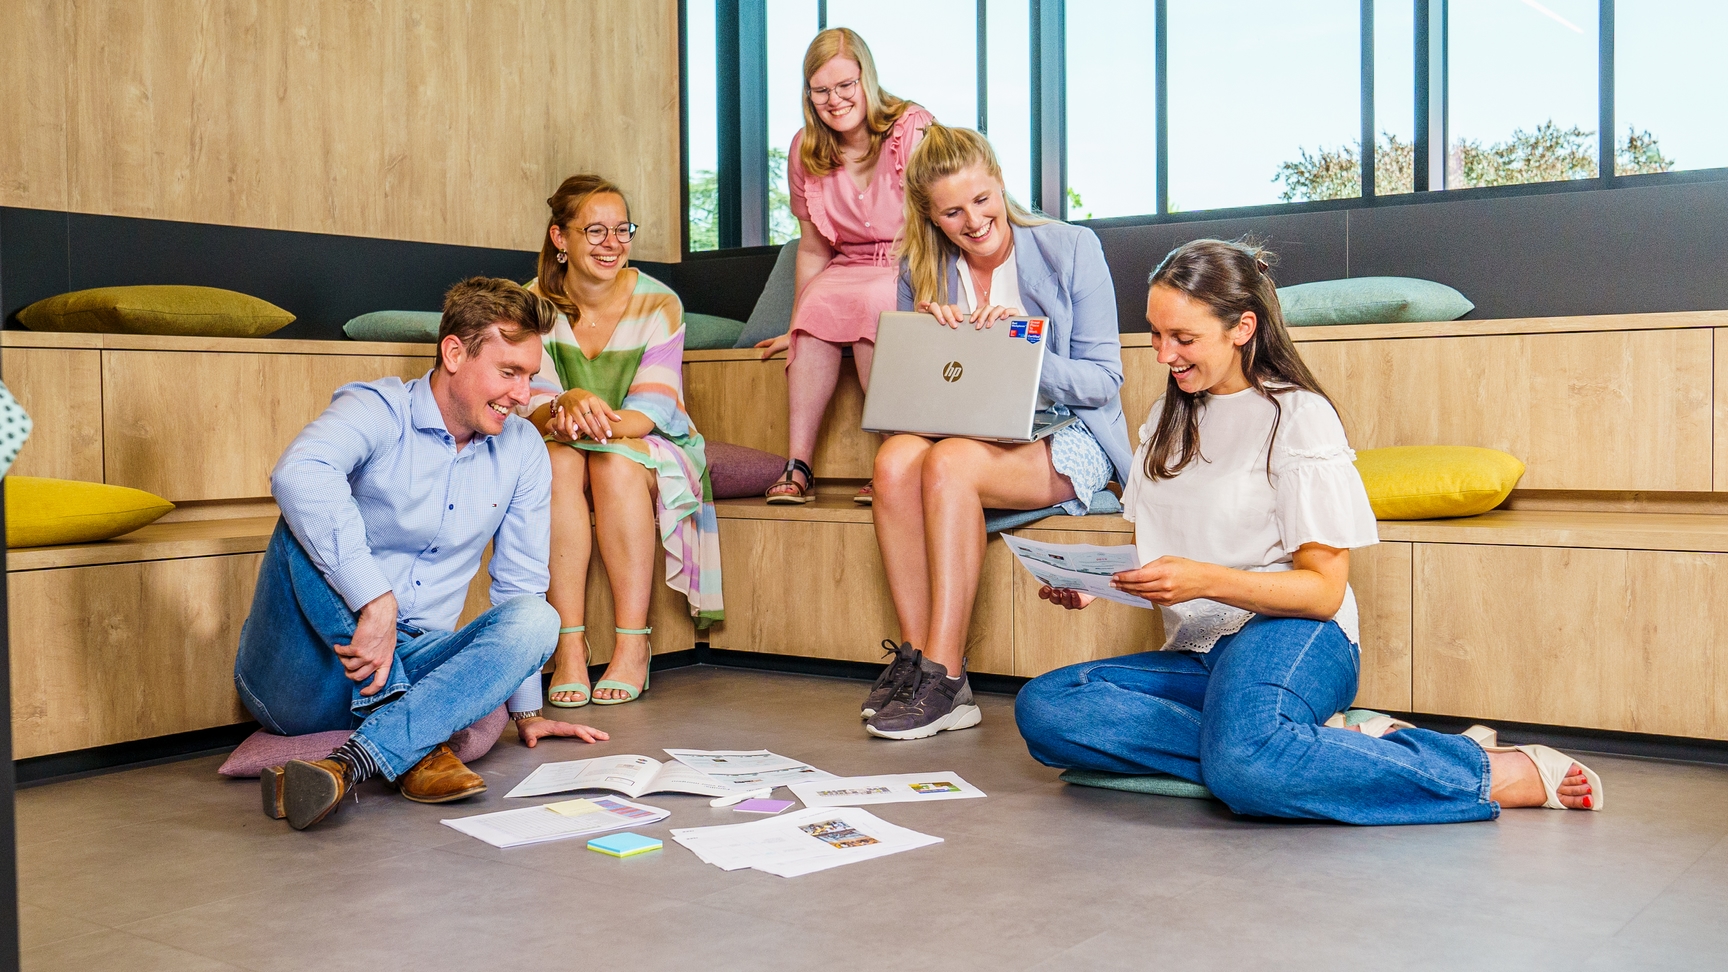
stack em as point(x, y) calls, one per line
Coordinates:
point(563, 256)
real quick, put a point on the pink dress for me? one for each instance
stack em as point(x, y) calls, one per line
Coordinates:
point(840, 305)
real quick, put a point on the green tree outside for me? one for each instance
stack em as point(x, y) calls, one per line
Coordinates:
point(705, 206)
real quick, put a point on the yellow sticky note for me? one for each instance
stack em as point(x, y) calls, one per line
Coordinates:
point(575, 808)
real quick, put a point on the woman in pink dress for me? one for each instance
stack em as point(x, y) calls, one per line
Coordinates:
point(844, 173)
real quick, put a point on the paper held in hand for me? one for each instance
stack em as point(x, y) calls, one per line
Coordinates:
point(555, 821)
point(1082, 567)
point(854, 791)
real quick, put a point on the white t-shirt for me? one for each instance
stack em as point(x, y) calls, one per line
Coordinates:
point(1224, 509)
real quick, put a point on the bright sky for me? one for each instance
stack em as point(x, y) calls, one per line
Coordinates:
point(1251, 83)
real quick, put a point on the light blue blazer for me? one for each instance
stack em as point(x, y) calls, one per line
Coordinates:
point(1063, 277)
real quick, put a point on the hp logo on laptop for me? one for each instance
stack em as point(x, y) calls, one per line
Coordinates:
point(952, 371)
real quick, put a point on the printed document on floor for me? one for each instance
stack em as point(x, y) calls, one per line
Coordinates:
point(801, 843)
point(556, 821)
point(854, 791)
point(1083, 567)
point(748, 769)
point(630, 775)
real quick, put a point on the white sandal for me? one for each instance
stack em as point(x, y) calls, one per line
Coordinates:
point(1551, 766)
point(1376, 725)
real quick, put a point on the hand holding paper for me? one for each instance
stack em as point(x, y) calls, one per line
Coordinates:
point(1082, 567)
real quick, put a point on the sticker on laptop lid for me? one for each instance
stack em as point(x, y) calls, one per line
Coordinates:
point(1034, 329)
point(1017, 328)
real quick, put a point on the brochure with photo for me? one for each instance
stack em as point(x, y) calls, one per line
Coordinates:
point(630, 775)
point(853, 791)
point(1082, 567)
point(748, 769)
point(801, 843)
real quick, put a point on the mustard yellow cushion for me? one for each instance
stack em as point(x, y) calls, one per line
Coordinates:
point(1431, 482)
point(43, 512)
point(192, 311)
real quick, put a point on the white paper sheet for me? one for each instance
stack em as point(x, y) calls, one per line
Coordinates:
point(748, 769)
point(632, 775)
point(536, 825)
point(802, 842)
point(853, 791)
point(1083, 567)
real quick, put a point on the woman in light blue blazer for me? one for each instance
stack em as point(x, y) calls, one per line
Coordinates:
point(970, 256)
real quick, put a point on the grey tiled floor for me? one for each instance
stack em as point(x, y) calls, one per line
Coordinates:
point(174, 868)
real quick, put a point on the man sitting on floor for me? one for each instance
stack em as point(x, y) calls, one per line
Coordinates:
point(388, 500)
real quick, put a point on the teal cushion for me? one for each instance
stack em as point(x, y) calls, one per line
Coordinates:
point(772, 315)
point(395, 325)
point(706, 332)
point(1371, 300)
point(1158, 783)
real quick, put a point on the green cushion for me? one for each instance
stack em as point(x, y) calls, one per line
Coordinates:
point(772, 315)
point(1158, 783)
point(1371, 300)
point(190, 311)
point(394, 325)
point(706, 332)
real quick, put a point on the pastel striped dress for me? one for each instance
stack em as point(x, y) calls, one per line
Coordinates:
point(641, 369)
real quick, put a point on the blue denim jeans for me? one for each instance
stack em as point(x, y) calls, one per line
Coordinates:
point(292, 682)
point(1246, 720)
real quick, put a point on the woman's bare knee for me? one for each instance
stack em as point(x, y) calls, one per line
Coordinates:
point(568, 465)
point(899, 461)
point(953, 462)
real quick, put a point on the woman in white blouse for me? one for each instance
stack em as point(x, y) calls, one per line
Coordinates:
point(1245, 506)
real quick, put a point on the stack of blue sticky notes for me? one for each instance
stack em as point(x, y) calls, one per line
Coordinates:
point(624, 845)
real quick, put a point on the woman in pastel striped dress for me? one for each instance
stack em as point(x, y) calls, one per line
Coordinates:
point(609, 398)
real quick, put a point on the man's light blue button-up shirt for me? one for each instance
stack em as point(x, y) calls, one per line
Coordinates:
point(376, 492)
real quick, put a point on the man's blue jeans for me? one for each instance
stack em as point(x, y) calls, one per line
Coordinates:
point(1246, 720)
point(290, 679)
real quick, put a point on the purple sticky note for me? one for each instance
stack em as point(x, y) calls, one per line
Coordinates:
point(763, 806)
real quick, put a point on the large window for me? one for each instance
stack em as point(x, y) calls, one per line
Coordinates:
point(1154, 108)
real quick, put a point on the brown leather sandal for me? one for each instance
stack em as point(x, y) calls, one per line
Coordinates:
point(786, 491)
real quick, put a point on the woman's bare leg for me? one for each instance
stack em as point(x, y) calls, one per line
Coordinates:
point(624, 523)
point(810, 381)
point(961, 478)
point(863, 355)
point(899, 515)
point(572, 545)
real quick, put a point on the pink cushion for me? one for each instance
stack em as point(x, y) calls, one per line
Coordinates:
point(263, 749)
point(740, 471)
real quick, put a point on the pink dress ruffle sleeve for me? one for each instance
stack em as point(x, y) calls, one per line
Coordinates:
point(840, 305)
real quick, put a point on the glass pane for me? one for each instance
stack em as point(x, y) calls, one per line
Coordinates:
point(1008, 24)
point(1522, 92)
point(1667, 112)
point(791, 25)
point(703, 112)
point(1265, 102)
point(1394, 97)
point(1112, 134)
point(925, 50)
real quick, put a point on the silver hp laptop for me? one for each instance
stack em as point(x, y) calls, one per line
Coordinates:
point(979, 383)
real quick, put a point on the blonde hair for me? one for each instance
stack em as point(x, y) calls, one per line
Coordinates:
point(820, 149)
point(925, 247)
point(565, 204)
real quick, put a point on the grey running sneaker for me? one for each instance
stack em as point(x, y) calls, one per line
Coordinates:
point(927, 702)
point(898, 668)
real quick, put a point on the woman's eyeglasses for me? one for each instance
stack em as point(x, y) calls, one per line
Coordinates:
point(597, 232)
point(845, 89)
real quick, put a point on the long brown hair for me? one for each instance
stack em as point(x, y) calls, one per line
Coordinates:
point(820, 149)
point(1231, 278)
point(565, 204)
point(943, 152)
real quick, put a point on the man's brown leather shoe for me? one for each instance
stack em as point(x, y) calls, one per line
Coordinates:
point(311, 790)
point(270, 787)
point(440, 778)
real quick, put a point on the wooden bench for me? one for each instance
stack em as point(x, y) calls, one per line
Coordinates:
point(1589, 600)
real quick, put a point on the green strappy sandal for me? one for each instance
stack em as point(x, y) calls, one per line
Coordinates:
point(572, 686)
point(612, 683)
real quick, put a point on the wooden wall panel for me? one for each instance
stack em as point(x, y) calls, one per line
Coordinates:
point(1721, 408)
point(437, 120)
point(1380, 576)
point(1143, 382)
point(119, 652)
point(1625, 640)
point(744, 402)
point(1047, 637)
point(244, 409)
point(61, 389)
point(33, 49)
point(1581, 410)
point(833, 601)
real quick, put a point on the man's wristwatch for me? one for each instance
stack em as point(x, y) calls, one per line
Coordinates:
point(519, 716)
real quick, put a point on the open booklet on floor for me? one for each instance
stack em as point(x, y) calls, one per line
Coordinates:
point(630, 775)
